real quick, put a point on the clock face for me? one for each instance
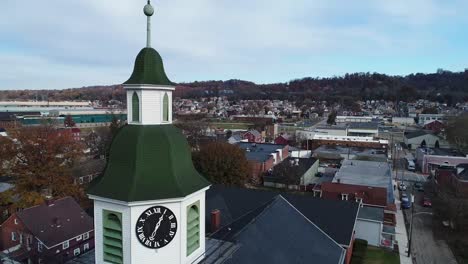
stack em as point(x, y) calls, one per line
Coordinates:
point(156, 227)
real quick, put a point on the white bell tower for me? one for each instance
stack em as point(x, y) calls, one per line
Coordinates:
point(149, 205)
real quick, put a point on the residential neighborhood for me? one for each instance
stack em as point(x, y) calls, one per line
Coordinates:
point(364, 168)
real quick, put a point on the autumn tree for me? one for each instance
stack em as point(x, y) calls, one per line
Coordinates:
point(69, 122)
point(222, 163)
point(287, 172)
point(98, 141)
point(194, 129)
point(457, 131)
point(40, 163)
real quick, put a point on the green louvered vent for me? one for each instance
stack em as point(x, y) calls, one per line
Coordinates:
point(166, 108)
point(135, 108)
point(112, 224)
point(193, 228)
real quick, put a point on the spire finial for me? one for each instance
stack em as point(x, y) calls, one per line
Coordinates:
point(149, 11)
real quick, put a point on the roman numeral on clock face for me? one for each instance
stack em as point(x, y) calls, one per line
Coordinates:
point(156, 227)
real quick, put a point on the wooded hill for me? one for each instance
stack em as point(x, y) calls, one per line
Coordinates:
point(443, 86)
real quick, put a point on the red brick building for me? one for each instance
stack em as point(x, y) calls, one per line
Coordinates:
point(453, 179)
point(375, 196)
point(283, 139)
point(48, 233)
point(253, 136)
point(435, 126)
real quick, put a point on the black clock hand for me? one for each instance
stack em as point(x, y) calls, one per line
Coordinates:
point(157, 226)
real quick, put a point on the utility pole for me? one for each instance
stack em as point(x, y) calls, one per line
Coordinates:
point(411, 223)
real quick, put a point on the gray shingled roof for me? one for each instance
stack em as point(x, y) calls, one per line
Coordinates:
point(266, 240)
point(61, 220)
point(239, 206)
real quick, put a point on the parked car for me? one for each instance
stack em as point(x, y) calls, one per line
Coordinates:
point(402, 186)
point(419, 187)
point(405, 200)
point(427, 202)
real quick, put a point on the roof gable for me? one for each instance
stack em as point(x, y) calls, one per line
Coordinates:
point(61, 220)
point(335, 218)
point(267, 240)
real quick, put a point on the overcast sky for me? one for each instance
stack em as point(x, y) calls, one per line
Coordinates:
point(57, 44)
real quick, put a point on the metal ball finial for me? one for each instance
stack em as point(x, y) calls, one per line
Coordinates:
point(148, 9)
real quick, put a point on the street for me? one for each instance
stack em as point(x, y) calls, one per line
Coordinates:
point(425, 248)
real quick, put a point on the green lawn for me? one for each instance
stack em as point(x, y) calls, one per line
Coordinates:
point(231, 125)
point(380, 256)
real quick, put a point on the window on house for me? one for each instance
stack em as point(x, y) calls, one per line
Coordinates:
point(16, 221)
point(13, 236)
point(86, 247)
point(113, 250)
point(344, 196)
point(166, 108)
point(81, 180)
point(78, 238)
point(193, 228)
point(85, 236)
point(39, 246)
point(76, 252)
point(135, 108)
point(65, 244)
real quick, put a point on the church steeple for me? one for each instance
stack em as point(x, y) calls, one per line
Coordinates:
point(150, 196)
point(147, 83)
point(149, 11)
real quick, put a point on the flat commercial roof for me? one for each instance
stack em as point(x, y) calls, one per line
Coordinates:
point(366, 173)
point(371, 213)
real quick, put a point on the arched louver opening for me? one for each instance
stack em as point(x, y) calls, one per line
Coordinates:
point(112, 227)
point(193, 229)
point(135, 108)
point(166, 108)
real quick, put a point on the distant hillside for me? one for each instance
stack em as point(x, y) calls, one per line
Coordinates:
point(443, 86)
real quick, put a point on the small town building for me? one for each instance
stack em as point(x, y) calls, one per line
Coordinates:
point(262, 157)
point(292, 173)
point(435, 126)
point(48, 233)
point(233, 214)
point(423, 138)
point(429, 159)
point(453, 179)
point(253, 136)
point(89, 169)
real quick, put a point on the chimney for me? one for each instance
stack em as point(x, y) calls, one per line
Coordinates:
point(215, 220)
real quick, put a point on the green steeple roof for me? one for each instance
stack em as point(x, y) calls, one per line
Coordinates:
point(148, 162)
point(149, 69)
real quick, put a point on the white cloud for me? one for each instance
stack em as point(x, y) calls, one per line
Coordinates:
point(59, 44)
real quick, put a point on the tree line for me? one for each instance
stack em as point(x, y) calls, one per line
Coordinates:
point(442, 86)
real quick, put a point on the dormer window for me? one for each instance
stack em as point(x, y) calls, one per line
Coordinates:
point(344, 196)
